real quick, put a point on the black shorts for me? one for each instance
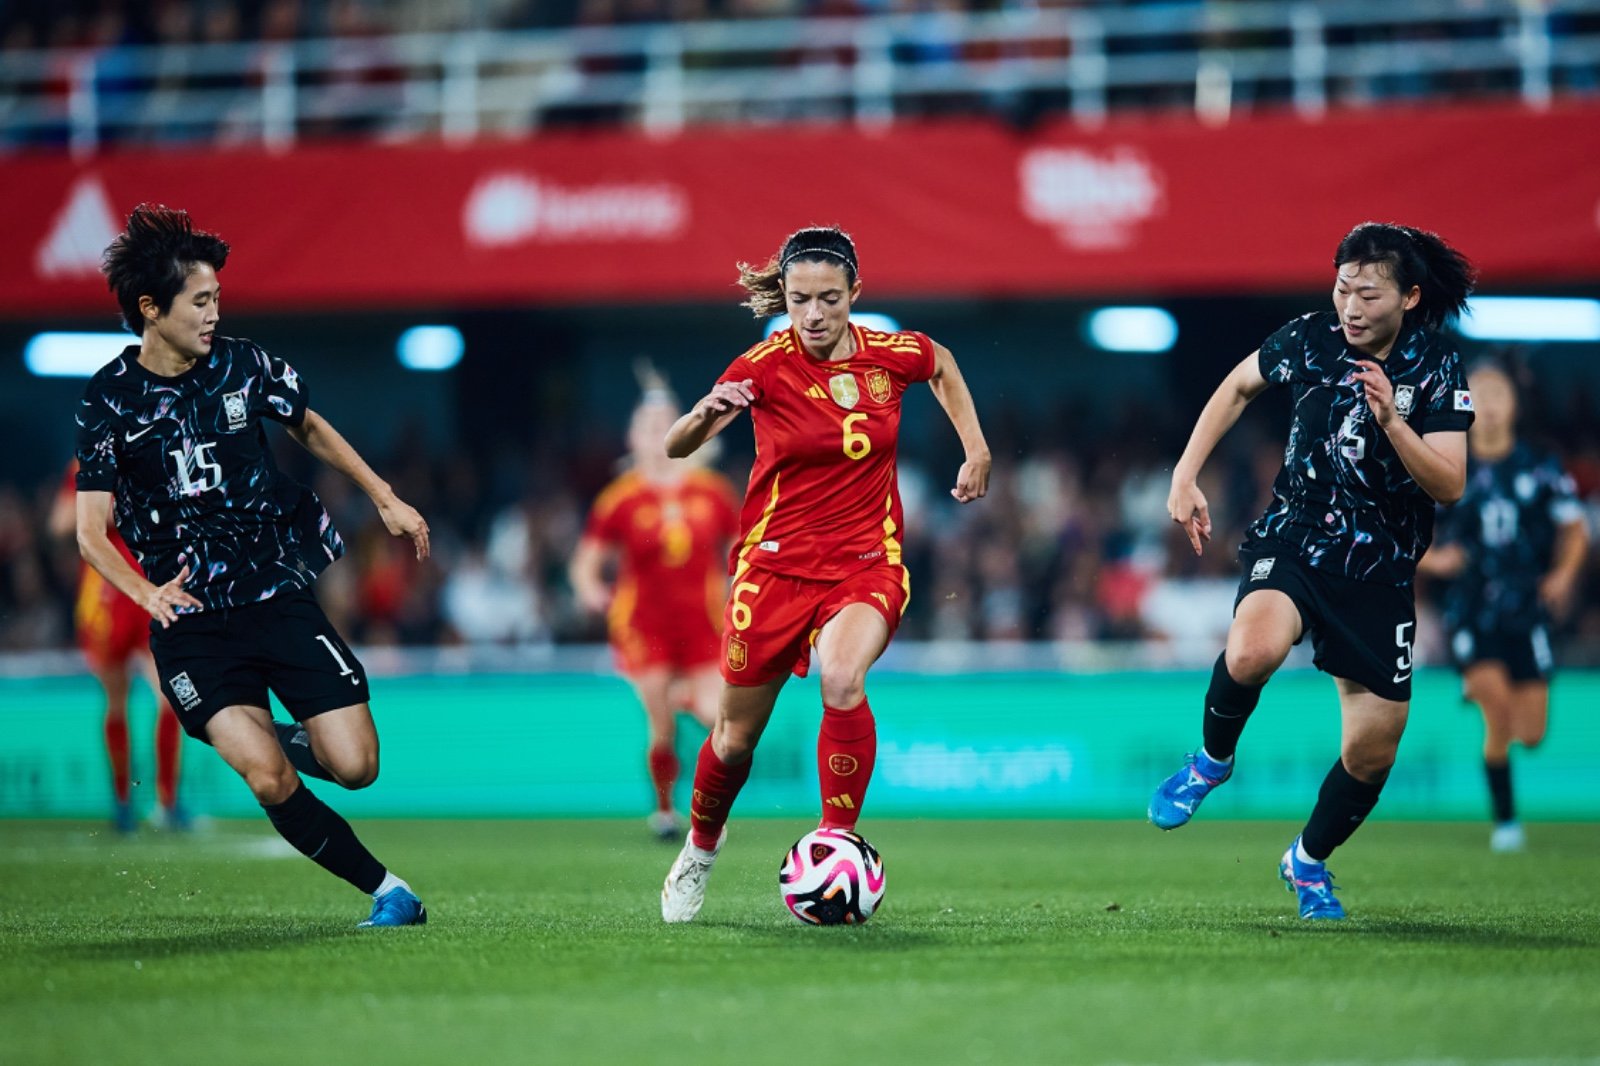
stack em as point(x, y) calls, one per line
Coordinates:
point(233, 657)
point(1525, 653)
point(1361, 631)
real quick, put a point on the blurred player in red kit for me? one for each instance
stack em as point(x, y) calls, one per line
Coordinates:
point(664, 525)
point(818, 563)
point(113, 633)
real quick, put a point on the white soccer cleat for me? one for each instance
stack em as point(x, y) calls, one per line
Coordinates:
point(1507, 838)
point(665, 825)
point(684, 890)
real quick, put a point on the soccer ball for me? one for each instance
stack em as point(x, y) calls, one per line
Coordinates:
point(831, 877)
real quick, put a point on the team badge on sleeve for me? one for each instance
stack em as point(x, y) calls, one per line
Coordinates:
point(844, 391)
point(1463, 400)
point(878, 386)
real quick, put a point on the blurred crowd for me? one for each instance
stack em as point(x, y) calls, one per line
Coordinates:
point(1072, 544)
point(359, 83)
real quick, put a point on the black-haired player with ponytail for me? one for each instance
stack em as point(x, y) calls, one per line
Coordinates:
point(1378, 436)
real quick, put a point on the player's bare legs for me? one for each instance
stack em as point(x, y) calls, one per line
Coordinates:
point(114, 682)
point(1513, 712)
point(704, 694)
point(169, 749)
point(847, 744)
point(247, 741)
point(1265, 627)
point(658, 694)
point(345, 742)
point(719, 774)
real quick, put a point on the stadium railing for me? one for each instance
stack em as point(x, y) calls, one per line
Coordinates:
point(1214, 59)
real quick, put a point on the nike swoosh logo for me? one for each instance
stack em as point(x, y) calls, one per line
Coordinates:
point(1401, 677)
point(131, 437)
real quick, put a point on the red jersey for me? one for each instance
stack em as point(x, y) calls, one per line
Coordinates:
point(109, 625)
point(671, 539)
point(823, 500)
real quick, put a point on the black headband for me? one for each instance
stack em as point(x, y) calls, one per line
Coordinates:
point(847, 260)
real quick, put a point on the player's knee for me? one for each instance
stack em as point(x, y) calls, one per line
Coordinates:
point(355, 771)
point(272, 784)
point(1531, 737)
point(733, 743)
point(1252, 661)
point(1370, 762)
point(843, 688)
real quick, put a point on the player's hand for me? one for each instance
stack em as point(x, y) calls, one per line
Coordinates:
point(972, 480)
point(1557, 590)
point(1187, 506)
point(402, 520)
point(163, 601)
point(725, 396)
point(1379, 389)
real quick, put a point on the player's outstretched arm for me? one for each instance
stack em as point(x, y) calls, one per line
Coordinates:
point(1185, 502)
point(1558, 588)
point(162, 601)
point(709, 417)
point(950, 389)
point(318, 437)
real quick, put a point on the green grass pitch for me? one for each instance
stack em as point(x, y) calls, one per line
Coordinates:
point(999, 942)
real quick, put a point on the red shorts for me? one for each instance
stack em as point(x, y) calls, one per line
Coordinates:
point(111, 629)
point(772, 620)
point(688, 643)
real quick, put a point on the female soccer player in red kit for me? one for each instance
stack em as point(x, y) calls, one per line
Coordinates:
point(818, 564)
point(667, 524)
point(114, 634)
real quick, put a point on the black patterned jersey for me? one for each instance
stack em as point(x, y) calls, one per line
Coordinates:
point(1344, 499)
point(1506, 523)
point(187, 462)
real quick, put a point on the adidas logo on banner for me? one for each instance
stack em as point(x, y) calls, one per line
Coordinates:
point(79, 233)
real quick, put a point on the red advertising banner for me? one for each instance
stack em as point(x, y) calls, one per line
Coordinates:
point(1152, 206)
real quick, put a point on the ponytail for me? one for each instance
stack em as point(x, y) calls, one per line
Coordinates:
point(816, 244)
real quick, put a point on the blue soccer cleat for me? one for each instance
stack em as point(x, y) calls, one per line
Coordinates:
point(1179, 796)
point(1312, 883)
point(122, 819)
point(396, 907)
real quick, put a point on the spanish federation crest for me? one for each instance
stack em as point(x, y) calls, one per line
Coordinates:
point(878, 386)
point(238, 412)
point(738, 654)
point(844, 391)
point(1404, 397)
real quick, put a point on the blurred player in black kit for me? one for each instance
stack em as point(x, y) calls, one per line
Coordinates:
point(172, 445)
point(1378, 436)
point(1513, 549)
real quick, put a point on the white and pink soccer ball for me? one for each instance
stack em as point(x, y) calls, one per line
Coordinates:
point(831, 877)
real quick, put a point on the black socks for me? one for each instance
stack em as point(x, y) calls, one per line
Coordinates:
point(1342, 805)
point(296, 745)
point(318, 833)
point(1500, 791)
point(1228, 707)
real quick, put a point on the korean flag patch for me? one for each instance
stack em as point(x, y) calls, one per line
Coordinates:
point(1463, 400)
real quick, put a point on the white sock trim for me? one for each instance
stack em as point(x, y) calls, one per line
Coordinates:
point(390, 883)
point(1303, 855)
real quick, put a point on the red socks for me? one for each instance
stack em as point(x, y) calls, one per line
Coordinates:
point(716, 786)
point(169, 740)
point(664, 770)
point(117, 751)
point(847, 747)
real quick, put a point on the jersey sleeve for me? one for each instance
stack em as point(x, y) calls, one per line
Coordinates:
point(1448, 405)
point(603, 523)
point(1278, 354)
point(284, 397)
point(749, 366)
point(918, 365)
point(97, 444)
